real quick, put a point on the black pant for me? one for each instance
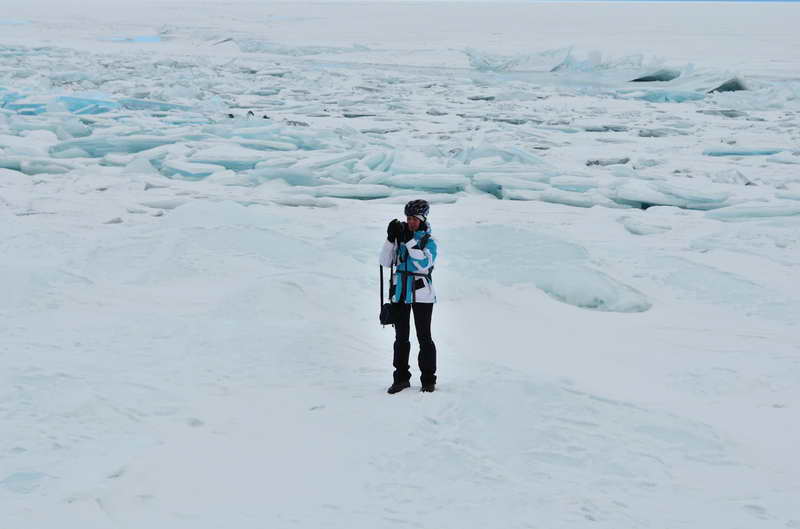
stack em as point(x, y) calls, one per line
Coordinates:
point(402, 347)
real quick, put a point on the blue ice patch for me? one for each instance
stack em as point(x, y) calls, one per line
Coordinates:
point(670, 96)
point(83, 105)
point(741, 152)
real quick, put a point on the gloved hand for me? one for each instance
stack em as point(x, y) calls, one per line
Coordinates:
point(394, 231)
point(406, 235)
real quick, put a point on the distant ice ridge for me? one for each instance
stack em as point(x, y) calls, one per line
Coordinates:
point(566, 59)
point(595, 61)
point(491, 62)
point(262, 46)
point(743, 212)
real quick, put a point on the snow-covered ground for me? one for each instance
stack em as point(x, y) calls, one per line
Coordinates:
point(189, 294)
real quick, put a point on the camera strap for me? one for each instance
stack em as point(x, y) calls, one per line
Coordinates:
point(391, 282)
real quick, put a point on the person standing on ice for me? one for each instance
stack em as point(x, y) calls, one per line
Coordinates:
point(412, 250)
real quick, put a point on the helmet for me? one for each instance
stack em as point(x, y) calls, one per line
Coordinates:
point(418, 208)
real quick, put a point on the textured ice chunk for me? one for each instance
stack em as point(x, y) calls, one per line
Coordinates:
point(266, 145)
point(84, 105)
point(26, 107)
point(304, 201)
point(117, 160)
point(595, 61)
point(728, 113)
point(521, 194)
point(605, 128)
point(573, 183)
point(34, 144)
point(143, 104)
point(543, 61)
point(448, 183)
point(731, 85)
point(693, 193)
point(70, 77)
point(755, 212)
point(325, 160)
point(354, 191)
point(498, 184)
point(643, 194)
point(290, 175)
point(608, 161)
point(566, 198)
point(72, 127)
point(665, 74)
point(188, 170)
point(11, 163)
point(590, 289)
point(99, 147)
point(486, 62)
point(670, 96)
point(741, 152)
point(164, 203)
point(487, 158)
point(374, 161)
point(660, 133)
point(639, 226)
point(278, 161)
point(71, 152)
point(76, 105)
point(230, 156)
point(33, 166)
point(139, 165)
point(730, 176)
point(43, 166)
point(7, 97)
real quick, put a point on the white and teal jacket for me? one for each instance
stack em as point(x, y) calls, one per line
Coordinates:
point(416, 256)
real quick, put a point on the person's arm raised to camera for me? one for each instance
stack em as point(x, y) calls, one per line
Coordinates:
point(389, 249)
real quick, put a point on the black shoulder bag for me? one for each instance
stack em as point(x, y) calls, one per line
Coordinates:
point(389, 311)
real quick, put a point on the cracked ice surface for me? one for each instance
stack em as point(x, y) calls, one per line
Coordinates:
point(189, 216)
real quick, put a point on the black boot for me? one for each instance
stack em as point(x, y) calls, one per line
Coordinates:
point(428, 388)
point(397, 387)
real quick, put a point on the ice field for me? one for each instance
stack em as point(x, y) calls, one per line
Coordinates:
point(192, 201)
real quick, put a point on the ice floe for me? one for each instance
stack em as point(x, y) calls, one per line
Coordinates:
point(731, 85)
point(663, 75)
point(744, 212)
point(741, 151)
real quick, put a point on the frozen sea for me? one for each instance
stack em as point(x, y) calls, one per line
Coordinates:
point(192, 200)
